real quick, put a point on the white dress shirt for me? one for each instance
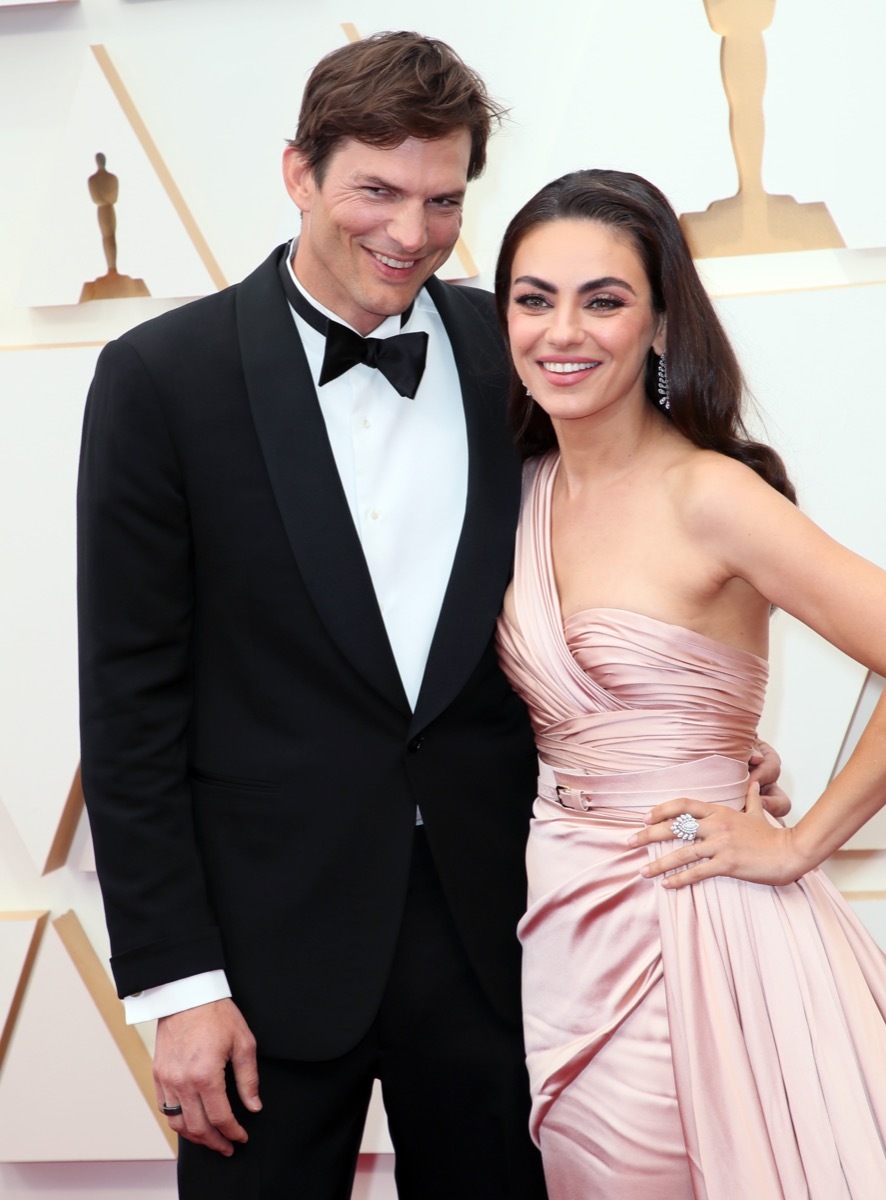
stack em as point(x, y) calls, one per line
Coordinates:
point(403, 465)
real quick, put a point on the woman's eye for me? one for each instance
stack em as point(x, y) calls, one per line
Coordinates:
point(530, 300)
point(605, 302)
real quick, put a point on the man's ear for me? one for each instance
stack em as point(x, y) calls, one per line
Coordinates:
point(299, 178)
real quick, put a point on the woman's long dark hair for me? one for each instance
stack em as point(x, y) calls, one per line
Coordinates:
point(706, 385)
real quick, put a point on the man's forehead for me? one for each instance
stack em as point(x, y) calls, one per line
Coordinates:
point(449, 154)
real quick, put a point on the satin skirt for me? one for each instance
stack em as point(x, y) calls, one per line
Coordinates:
point(726, 1039)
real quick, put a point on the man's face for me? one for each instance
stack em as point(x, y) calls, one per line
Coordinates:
point(381, 223)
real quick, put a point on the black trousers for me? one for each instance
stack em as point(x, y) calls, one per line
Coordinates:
point(452, 1076)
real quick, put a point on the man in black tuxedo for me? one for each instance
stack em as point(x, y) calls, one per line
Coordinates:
point(308, 782)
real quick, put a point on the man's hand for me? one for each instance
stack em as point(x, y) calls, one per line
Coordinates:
point(765, 768)
point(192, 1050)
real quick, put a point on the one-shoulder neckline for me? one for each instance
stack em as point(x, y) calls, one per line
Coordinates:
point(739, 651)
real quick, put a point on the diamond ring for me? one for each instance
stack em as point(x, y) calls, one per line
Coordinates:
point(685, 827)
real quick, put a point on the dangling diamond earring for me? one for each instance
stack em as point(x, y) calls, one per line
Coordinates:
point(663, 400)
point(528, 393)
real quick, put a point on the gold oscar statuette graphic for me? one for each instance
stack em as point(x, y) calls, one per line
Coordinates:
point(751, 221)
point(103, 190)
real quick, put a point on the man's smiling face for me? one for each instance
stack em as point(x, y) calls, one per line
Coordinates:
point(381, 222)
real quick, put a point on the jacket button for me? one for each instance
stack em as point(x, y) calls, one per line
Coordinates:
point(415, 744)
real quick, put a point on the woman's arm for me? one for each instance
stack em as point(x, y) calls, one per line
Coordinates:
point(757, 535)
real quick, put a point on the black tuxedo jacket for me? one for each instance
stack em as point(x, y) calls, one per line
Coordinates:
point(250, 762)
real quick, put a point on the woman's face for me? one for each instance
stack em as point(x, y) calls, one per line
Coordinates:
point(580, 318)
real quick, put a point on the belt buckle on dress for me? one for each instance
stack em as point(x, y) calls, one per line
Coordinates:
point(562, 790)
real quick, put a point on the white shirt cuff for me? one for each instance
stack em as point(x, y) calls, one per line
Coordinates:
point(176, 996)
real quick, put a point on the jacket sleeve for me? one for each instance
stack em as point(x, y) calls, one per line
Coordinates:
point(135, 611)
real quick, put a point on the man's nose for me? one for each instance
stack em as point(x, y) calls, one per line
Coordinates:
point(409, 227)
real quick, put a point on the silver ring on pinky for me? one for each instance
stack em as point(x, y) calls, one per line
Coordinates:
point(685, 827)
point(171, 1110)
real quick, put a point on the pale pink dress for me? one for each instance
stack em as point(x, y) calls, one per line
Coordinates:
point(722, 1042)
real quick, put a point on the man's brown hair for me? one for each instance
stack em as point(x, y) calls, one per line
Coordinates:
point(389, 87)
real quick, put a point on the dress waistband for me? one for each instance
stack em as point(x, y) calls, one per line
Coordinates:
point(716, 779)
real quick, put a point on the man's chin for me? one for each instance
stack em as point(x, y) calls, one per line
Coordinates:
point(395, 298)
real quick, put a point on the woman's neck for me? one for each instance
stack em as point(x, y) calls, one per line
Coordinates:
point(604, 448)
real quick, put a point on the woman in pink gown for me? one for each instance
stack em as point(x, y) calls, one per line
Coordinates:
point(704, 1015)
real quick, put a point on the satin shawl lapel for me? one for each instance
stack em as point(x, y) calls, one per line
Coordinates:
point(305, 480)
point(484, 557)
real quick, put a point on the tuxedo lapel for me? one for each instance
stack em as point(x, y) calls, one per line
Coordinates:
point(305, 480)
point(484, 557)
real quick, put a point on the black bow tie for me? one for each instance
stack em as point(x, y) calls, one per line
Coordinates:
point(401, 358)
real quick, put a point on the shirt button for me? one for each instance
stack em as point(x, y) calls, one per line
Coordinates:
point(375, 514)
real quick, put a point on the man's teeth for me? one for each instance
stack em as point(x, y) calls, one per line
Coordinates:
point(395, 262)
point(568, 368)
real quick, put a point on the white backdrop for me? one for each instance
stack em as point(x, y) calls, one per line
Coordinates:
point(217, 83)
